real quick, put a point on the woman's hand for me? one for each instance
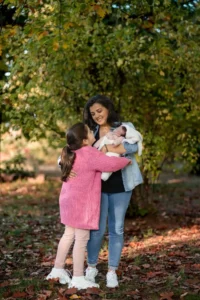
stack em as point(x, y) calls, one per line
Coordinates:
point(72, 174)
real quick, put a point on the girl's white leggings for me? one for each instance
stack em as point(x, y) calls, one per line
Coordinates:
point(81, 237)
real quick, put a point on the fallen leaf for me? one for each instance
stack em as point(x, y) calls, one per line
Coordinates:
point(196, 266)
point(166, 296)
point(53, 280)
point(47, 292)
point(93, 290)
point(19, 295)
point(177, 253)
point(46, 264)
point(153, 274)
point(183, 295)
point(5, 283)
point(136, 292)
point(146, 266)
point(74, 297)
point(30, 290)
point(135, 268)
point(41, 297)
point(61, 291)
point(71, 291)
point(119, 272)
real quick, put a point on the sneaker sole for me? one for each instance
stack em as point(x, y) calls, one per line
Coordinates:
point(92, 280)
point(60, 280)
point(82, 288)
point(112, 286)
point(64, 282)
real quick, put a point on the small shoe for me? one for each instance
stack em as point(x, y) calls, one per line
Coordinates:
point(111, 279)
point(91, 273)
point(80, 283)
point(61, 274)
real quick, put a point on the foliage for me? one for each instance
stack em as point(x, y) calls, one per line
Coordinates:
point(143, 54)
point(14, 169)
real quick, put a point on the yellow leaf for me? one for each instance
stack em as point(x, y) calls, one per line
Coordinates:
point(65, 46)
point(55, 46)
point(13, 31)
point(41, 35)
point(68, 25)
point(74, 297)
point(162, 73)
point(100, 11)
point(165, 111)
point(168, 117)
point(119, 62)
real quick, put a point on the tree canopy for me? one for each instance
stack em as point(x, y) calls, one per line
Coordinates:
point(145, 55)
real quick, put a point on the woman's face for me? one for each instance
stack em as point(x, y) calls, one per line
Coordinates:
point(99, 114)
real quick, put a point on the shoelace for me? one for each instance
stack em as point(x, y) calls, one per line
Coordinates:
point(68, 273)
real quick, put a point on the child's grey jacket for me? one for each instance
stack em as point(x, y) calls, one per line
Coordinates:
point(131, 174)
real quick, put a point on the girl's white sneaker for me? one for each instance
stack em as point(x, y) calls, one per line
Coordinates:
point(61, 274)
point(80, 283)
point(111, 279)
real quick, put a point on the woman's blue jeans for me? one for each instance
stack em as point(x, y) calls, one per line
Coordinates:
point(113, 208)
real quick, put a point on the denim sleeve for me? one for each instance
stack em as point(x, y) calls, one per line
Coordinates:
point(130, 148)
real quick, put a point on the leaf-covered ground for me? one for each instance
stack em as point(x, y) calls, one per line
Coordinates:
point(161, 256)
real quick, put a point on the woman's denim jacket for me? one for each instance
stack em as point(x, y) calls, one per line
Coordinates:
point(131, 174)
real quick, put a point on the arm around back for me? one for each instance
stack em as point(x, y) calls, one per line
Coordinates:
point(103, 163)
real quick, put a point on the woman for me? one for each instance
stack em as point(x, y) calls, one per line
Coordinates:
point(100, 116)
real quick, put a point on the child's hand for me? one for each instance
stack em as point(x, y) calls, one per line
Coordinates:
point(72, 174)
point(103, 149)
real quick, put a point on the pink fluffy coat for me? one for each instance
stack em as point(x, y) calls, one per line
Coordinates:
point(80, 196)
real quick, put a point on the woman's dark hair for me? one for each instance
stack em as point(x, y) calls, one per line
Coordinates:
point(113, 117)
point(75, 136)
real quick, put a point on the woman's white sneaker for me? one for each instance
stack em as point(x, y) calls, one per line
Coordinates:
point(61, 274)
point(111, 279)
point(91, 273)
point(80, 283)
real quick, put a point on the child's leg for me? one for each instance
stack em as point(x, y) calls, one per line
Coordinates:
point(64, 246)
point(81, 240)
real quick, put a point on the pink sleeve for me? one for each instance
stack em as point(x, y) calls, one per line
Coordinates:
point(103, 163)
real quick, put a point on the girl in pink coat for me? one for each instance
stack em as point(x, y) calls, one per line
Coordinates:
point(80, 200)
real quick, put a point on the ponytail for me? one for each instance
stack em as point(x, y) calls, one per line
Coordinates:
point(75, 136)
point(67, 161)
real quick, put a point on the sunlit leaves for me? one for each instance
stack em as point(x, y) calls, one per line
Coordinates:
point(145, 56)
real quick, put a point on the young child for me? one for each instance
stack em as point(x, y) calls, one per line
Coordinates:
point(80, 200)
point(123, 133)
